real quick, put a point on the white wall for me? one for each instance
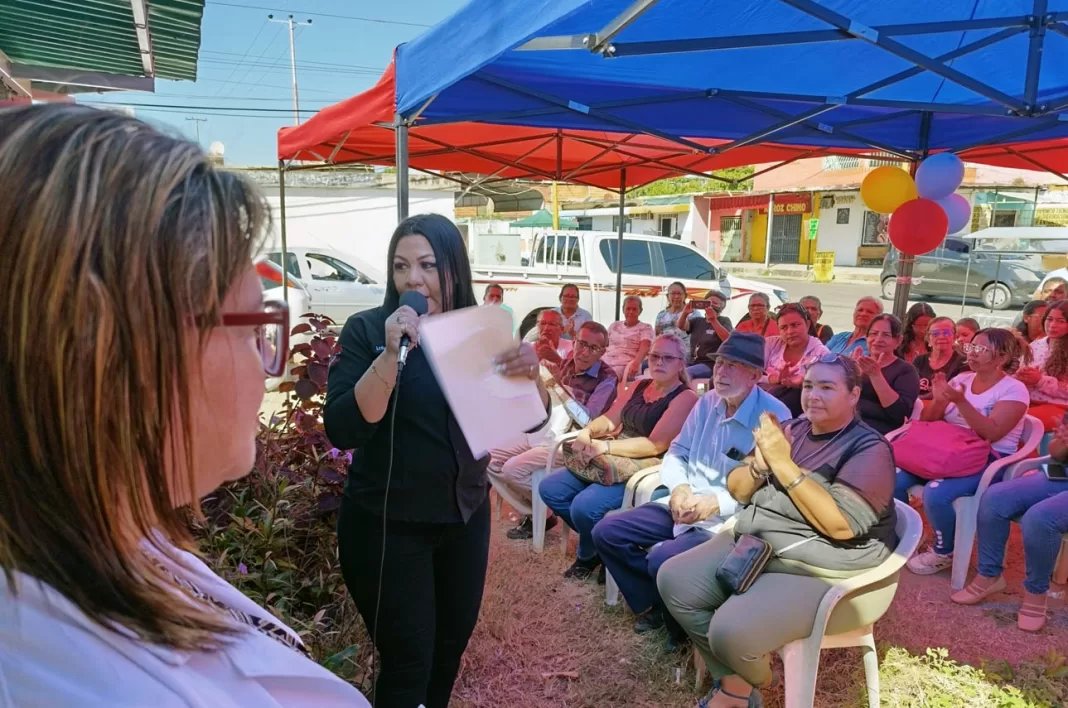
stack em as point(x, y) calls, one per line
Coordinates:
point(843, 239)
point(357, 222)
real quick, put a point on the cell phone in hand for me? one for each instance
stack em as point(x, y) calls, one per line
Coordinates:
point(701, 304)
point(1056, 473)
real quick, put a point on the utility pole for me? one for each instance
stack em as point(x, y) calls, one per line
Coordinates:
point(292, 60)
point(197, 122)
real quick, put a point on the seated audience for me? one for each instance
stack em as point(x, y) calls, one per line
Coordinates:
point(1041, 505)
point(846, 342)
point(760, 320)
point(820, 492)
point(1046, 376)
point(815, 312)
point(581, 380)
point(890, 385)
point(135, 351)
point(573, 315)
point(643, 421)
point(1029, 327)
point(550, 346)
point(706, 333)
point(966, 329)
point(667, 320)
point(989, 401)
point(914, 331)
point(717, 434)
point(494, 295)
point(628, 341)
point(789, 354)
point(942, 356)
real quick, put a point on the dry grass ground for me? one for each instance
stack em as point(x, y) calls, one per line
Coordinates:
point(543, 641)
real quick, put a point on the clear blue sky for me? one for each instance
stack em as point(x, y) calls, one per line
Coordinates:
point(244, 64)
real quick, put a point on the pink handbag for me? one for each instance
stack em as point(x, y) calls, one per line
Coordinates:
point(940, 450)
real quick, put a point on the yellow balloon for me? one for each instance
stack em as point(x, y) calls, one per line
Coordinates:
point(887, 188)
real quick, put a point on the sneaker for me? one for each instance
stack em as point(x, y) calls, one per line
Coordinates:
point(582, 569)
point(649, 621)
point(929, 563)
point(525, 530)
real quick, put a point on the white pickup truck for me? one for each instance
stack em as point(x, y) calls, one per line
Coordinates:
point(588, 259)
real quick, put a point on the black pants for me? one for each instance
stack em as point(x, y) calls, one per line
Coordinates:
point(431, 593)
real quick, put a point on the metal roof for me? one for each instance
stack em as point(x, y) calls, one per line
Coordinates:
point(141, 38)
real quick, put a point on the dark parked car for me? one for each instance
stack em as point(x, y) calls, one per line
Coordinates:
point(942, 272)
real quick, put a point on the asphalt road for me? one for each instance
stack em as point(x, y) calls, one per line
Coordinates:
point(839, 298)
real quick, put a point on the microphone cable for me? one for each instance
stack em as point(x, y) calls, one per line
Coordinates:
point(385, 506)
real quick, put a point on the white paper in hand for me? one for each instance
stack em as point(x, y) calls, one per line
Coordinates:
point(491, 409)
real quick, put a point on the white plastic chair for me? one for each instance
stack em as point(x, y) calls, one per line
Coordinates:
point(639, 491)
point(877, 587)
point(917, 410)
point(967, 508)
point(537, 504)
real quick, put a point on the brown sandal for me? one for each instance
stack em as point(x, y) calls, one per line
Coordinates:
point(973, 593)
point(1032, 616)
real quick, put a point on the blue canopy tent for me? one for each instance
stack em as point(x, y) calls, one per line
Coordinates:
point(906, 77)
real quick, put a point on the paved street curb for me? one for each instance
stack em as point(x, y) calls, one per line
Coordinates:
point(803, 276)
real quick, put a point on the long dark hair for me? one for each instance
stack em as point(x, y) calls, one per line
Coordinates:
point(1028, 310)
point(920, 309)
point(454, 270)
point(895, 324)
point(1057, 363)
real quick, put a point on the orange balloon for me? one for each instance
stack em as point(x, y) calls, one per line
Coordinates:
point(884, 189)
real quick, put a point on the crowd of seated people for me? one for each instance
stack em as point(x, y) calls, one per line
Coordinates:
point(789, 440)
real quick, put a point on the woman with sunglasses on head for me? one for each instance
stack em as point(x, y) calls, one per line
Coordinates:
point(819, 490)
point(641, 424)
point(1046, 374)
point(987, 400)
point(134, 348)
point(890, 385)
point(942, 358)
point(414, 524)
point(788, 354)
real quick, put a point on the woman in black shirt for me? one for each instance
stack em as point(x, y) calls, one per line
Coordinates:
point(413, 478)
point(891, 385)
point(941, 335)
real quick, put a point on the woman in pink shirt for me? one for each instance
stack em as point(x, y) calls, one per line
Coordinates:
point(628, 341)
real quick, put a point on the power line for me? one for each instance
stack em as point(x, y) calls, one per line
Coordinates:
point(191, 108)
point(224, 56)
point(249, 49)
point(321, 14)
point(303, 67)
point(250, 98)
point(262, 54)
point(235, 98)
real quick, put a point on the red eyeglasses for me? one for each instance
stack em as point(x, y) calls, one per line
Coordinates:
point(272, 323)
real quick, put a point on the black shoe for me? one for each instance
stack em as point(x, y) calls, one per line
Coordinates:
point(649, 621)
point(523, 531)
point(582, 570)
point(602, 575)
point(676, 642)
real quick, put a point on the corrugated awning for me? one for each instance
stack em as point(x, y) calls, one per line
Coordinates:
point(112, 38)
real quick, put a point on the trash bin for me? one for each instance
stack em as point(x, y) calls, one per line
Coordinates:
point(823, 267)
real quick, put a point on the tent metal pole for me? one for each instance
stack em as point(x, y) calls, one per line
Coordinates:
point(402, 169)
point(767, 232)
point(619, 241)
point(282, 221)
point(906, 262)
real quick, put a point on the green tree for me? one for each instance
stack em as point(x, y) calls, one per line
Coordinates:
point(689, 185)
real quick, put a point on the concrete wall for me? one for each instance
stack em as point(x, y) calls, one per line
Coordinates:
point(354, 221)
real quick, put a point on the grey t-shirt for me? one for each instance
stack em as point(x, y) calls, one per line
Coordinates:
point(857, 468)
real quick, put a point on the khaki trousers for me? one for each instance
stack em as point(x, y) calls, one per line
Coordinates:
point(736, 633)
point(510, 471)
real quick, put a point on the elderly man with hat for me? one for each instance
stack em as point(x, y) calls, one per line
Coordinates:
point(716, 437)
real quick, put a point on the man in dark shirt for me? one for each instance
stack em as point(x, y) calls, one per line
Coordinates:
point(590, 387)
point(706, 334)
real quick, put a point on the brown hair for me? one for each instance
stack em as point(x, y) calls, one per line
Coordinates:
point(117, 239)
point(1004, 343)
point(596, 328)
point(1057, 363)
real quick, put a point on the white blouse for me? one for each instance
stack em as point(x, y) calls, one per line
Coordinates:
point(51, 654)
point(775, 351)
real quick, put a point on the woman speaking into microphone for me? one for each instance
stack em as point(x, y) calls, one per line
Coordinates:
point(414, 525)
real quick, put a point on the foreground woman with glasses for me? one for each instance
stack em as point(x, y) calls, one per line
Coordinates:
point(134, 345)
point(819, 490)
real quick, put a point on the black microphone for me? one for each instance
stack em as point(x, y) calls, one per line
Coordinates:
point(417, 302)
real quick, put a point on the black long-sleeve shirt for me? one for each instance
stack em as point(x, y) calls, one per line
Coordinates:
point(436, 478)
point(903, 378)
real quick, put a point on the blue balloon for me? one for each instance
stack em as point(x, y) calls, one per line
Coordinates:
point(958, 211)
point(939, 176)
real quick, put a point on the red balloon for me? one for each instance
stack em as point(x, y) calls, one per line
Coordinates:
point(918, 226)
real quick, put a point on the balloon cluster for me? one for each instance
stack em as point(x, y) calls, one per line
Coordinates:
point(923, 210)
